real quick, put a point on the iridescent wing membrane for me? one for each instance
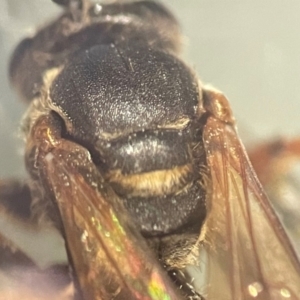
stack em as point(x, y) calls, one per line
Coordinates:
point(109, 256)
point(249, 253)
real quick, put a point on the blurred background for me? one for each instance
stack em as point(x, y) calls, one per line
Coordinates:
point(248, 49)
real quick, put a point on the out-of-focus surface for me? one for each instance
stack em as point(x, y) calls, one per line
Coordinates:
point(277, 164)
point(18, 19)
point(248, 49)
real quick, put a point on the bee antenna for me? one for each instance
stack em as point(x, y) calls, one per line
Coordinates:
point(78, 8)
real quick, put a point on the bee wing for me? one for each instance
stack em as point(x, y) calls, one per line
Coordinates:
point(110, 257)
point(249, 253)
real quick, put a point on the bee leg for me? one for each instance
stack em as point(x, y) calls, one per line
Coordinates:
point(77, 8)
point(15, 202)
point(176, 253)
point(181, 279)
point(21, 269)
point(68, 3)
point(15, 197)
point(19, 233)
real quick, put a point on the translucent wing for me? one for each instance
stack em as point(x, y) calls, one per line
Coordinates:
point(111, 259)
point(249, 253)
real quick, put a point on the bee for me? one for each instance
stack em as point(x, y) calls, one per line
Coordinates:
point(139, 166)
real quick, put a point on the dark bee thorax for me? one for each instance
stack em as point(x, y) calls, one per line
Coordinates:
point(138, 120)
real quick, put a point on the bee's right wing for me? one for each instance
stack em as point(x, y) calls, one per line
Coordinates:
point(249, 253)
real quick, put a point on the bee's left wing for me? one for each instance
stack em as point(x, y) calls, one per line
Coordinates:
point(249, 253)
point(110, 258)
